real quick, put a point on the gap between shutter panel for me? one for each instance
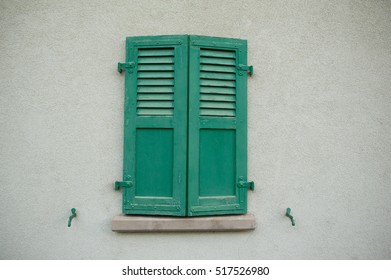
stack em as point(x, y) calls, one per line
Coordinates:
point(155, 82)
point(217, 83)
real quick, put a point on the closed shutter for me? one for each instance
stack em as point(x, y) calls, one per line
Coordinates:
point(155, 134)
point(185, 131)
point(217, 130)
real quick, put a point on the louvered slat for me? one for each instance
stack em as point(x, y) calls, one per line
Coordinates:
point(156, 60)
point(156, 67)
point(217, 105)
point(217, 61)
point(155, 82)
point(155, 96)
point(217, 90)
point(155, 112)
point(157, 89)
point(217, 76)
point(217, 83)
point(217, 97)
point(155, 104)
point(217, 113)
point(217, 53)
point(156, 52)
point(155, 75)
point(218, 68)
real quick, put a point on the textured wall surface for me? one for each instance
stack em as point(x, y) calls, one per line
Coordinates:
point(319, 127)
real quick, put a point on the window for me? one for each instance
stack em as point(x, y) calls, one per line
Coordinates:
point(185, 129)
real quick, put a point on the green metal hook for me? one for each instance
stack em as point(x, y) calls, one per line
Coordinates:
point(73, 211)
point(288, 214)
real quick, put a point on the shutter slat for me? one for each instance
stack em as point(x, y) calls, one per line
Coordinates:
point(217, 61)
point(155, 104)
point(156, 67)
point(155, 82)
point(155, 96)
point(217, 53)
point(217, 90)
point(155, 112)
point(217, 83)
point(155, 75)
point(218, 105)
point(217, 97)
point(217, 112)
point(156, 60)
point(155, 52)
point(217, 76)
point(218, 68)
point(155, 89)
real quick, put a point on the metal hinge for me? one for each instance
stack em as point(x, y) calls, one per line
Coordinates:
point(247, 68)
point(245, 184)
point(122, 184)
point(127, 65)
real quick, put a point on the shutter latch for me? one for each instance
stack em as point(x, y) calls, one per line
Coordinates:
point(245, 184)
point(247, 68)
point(123, 184)
point(126, 65)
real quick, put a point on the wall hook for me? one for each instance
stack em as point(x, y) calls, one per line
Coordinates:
point(288, 214)
point(73, 211)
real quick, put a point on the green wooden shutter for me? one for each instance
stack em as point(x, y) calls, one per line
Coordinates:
point(185, 132)
point(155, 134)
point(217, 146)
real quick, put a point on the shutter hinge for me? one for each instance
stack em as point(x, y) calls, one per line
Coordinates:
point(245, 184)
point(247, 68)
point(127, 65)
point(123, 184)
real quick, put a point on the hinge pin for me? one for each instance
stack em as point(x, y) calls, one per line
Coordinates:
point(248, 68)
point(126, 65)
point(245, 184)
point(122, 184)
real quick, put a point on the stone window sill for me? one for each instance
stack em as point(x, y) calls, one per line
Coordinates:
point(130, 223)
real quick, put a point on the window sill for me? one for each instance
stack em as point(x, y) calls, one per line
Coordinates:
point(128, 223)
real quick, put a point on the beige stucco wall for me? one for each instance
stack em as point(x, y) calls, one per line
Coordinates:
point(319, 127)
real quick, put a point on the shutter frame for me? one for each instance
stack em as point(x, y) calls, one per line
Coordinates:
point(236, 202)
point(195, 102)
point(134, 123)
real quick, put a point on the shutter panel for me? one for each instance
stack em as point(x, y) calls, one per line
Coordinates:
point(155, 134)
point(217, 130)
